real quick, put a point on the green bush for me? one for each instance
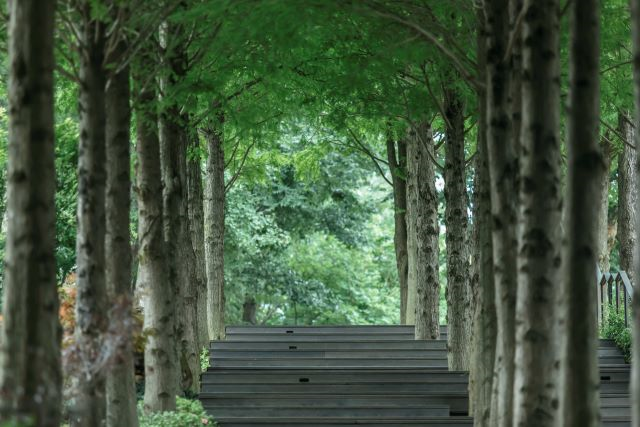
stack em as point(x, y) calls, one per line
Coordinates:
point(615, 329)
point(188, 413)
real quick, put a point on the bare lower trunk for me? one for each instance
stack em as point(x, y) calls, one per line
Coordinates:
point(182, 269)
point(627, 196)
point(484, 325)
point(91, 301)
point(503, 169)
point(30, 373)
point(214, 230)
point(603, 216)
point(121, 389)
point(397, 166)
point(580, 403)
point(160, 353)
point(539, 253)
point(196, 226)
point(426, 297)
point(249, 310)
point(635, 365)
point(459, 313)
point(411, 216)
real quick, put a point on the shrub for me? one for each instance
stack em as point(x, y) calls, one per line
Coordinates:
point(615, 329)
point(188, 413)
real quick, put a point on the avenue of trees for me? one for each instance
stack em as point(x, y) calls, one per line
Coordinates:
point(170, 167)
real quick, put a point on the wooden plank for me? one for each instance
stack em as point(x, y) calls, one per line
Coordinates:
point(348, 329)
point(319, 337)
point(383, 389)
point(333, 354)
point(313, 363)
point(333, 422)
point(335, 412)
point(329, 345)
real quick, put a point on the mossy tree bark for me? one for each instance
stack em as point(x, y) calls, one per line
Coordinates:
point(160, 354)
point(30, 372)
point(603, 216)
point(121, 389)
point(424, 296)
point(91, 301)
point(580, 403)
point(503, 170)
point(539, 253)
point(459, 310)
point(627, 196)
point(214, 227)
point(397, 159)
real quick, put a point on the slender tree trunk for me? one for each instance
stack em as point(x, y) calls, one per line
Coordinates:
point(411, 217)
point(635, 365)
point(182, 268)
point(484, 324)
point(627, 196)
point(397, 166)
point(249, 310)
point(160, 354)
point(459, 312)
point(30, 372)
point(503, 169)
point(121, 389)
point(91, 301)
point(425, 298)
point(214, 229)
point(603, 216)
point(196, 225)
point(539, 254)
point(580, 403)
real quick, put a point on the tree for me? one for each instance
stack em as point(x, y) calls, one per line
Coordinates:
point(627, 195)
point(459, 309)
point(91, 302)
point(579, 402)
point(162, 367)
point(424, 299)
point(31, 330)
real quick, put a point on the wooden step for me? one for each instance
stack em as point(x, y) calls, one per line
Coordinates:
point(331, 354)
point(333, 422)
point(288, 410)
point(349, 330)
point(305, 337)
point(314, 363)
point(458, 402)
point(329, 345)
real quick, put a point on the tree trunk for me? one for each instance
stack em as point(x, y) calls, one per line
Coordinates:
point(182, 269)
point(503, 169)
point(413, 207)
point(539, 254)
point(635, 365)
point(397, 166)
point(196, 223)
point(484, 325)
point(580, 402)
point(160, 354)
point(249, 310)
point(627, 196)
point(121, 389)
point(459, 313)
point(214, 229)
point(30, 373)
point(424, 300)
point(91, 300)
point(603, 216)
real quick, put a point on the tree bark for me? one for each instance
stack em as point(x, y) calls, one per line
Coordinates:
point(635, 330)
point(580, 402)
point(627, 197)
point(503, 169)
point(413, 208)
point(459, 312)
point(603, 216)
point(249, 310)
point(91, 300)
point(121, 389)
point(196, 226)
point(484, 325)
point(539, 252)
point(397, 159)
point(214, 228)
point(160, 355)
point(424, 300)
point(30, 372)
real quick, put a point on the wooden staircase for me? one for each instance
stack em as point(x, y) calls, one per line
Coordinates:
point(356, 375)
